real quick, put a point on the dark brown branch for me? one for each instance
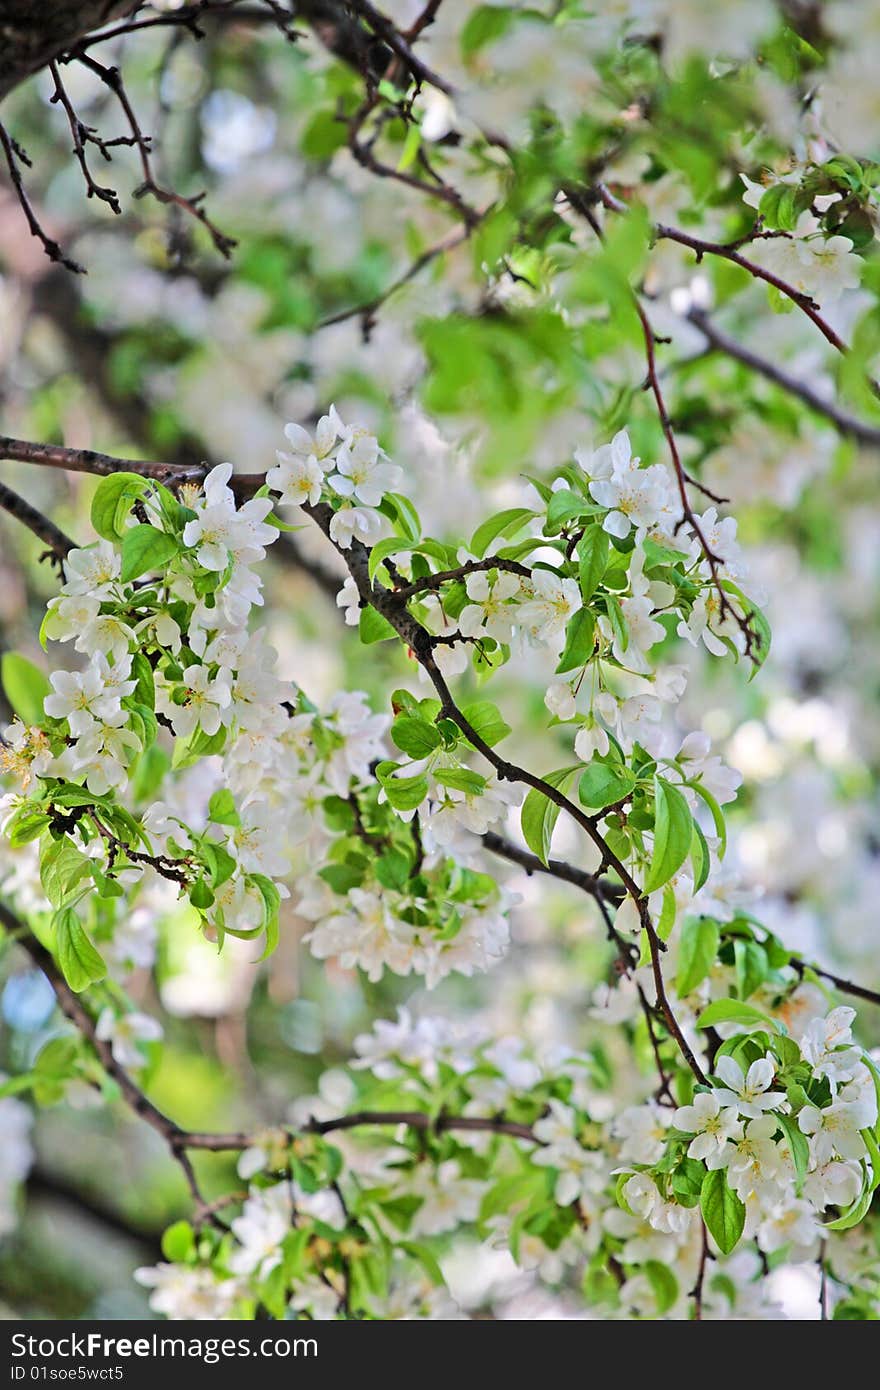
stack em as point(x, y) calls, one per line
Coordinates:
point(32, 32)
point(192, 16)
point(180, 1140)
point(400, 47)
point(52, 536)
point(112, 78)
point(80, 135)
point(593, 884)
point(75, 1010)
point(367, 312)
point(42, 1183)
point(682, 478)
point(715, 562)
point(847, 424)
point(697, 1290)
point(413, 1119)
point(362, 151)
point(427, 17)
point(432, 582)
point(15, 155)
point(729, 252)
point(871, 996)
point(88, 461)
point(390, 605)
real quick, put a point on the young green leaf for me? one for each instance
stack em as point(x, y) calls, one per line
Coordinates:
point(751, 964)
point(673, 832)
point(25, 687)
point(145, 548)
point(80, 963)
point(579, 640)
point(604, 784)
point(415, 736)
point(798, 1144)
point(506, 523)
point(486, 720)
point(539, 815)
point(698, 947)
point(113, 500)
point(592, 553)
point(734, 1011)
point(723, 1212)
point(373, 627)
point(222, 809)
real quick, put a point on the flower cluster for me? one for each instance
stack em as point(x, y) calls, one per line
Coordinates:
point(343, 463)
point(758, 1157)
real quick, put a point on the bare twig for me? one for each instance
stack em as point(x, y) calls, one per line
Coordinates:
point(52, 536)
point(81, 134)
point(367, 312)
point(15, 155)
point(112, 78)
point(847, 424)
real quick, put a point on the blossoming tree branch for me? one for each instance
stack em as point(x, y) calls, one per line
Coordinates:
point(613, 203)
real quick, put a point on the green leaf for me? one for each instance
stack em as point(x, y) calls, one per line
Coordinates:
point(486, 720)
point(618, 622)
point(592, 551)
point(145, 690)
point(411, 146)
point(751, 966)
point(222, 809)
point(716, 813)
point(113, 500)
point(25, 687)
point(461, 779)
point(178, 1242)
point(564, 506)
point(579, 641)
point(734, 1011)
point(145, 548)
point(271, 906)
point(27, 824)
point(373, 627)
point(853, 1215)
point(668, 910)
point(484, 25)
point(80, 963)
point(62, 866)
point(663, 1283)
point(381, 551)
point(506, 523)
point(406, 516)
point(539, 815)
point(799, 1145)
point(604, 784)
point(425, 1259)
point(323, 135)
point(673, 832)
point(415, 736)
point(697, 950)
point(392, 869)
point(405, 793)
point(201, 895)
point(699, 857)
point(723, 1212)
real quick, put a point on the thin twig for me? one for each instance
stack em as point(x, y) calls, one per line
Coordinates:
point(59, 544)
point(112, 78)
point(80, 134)
point(14, 155)
point(847, 424)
